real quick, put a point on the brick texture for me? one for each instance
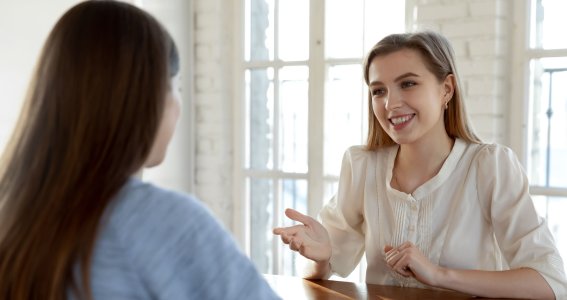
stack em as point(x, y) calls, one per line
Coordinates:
point(477, 29)
point(214, 105)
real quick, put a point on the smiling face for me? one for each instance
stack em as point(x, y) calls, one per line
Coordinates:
point(407, 99)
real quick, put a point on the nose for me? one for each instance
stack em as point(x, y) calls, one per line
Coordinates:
point(393, 100)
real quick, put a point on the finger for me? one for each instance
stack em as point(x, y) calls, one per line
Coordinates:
point(391, 254)
point(292, 230)
point(405, 271)
point(392, 257)
point(303, 243)
point(405, 245)
point(286, 238)
point(295, 244)
point(389, 251)
point(402, 266)
point(297, 216)
point(289, 233)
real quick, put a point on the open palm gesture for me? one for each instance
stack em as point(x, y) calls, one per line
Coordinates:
point(310, 238)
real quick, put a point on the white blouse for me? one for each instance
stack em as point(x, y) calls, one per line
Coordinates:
point(476, 213)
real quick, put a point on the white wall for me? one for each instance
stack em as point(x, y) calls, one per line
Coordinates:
point(24, 26)
point(177, 170)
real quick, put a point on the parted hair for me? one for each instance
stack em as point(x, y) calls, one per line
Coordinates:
point(91, 115)
point(438, 56)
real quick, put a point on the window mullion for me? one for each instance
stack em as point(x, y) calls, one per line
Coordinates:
point(316, 105)
point(518, 102)
point(241, 212)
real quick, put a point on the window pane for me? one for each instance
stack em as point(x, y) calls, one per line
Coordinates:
point(293, 105)
point(345, 114)
point(261, 200)
point(330, 189)
point(548, 123)
point(344, 39)
point(259, 30)
point(548, 24)
point(260, 118)
point(293, 29)
point(294, 195)
point(553, 210)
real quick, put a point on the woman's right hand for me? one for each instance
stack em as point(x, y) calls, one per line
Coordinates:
point(310, 239)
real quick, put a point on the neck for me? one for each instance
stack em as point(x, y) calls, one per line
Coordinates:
point(416, 163)
point(421, 155)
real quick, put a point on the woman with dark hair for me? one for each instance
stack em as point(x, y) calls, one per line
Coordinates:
point(74, 222)
point(425, 200)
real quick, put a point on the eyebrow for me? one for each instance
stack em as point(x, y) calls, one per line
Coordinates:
point(405, 75)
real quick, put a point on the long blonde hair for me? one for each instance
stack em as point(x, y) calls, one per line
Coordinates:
point(439, 59)
point(90, 119)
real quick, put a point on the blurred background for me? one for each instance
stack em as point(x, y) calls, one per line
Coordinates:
point(274, 94)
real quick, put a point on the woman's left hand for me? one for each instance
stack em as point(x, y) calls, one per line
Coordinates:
point(407, 260)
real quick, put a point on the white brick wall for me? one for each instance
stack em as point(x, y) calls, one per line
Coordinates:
point(214, 104)
point(478, 31)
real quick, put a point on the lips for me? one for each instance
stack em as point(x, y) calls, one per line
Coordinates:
point(400, 120)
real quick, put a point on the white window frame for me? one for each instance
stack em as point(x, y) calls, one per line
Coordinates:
point(316, 64)
point(315, 176)
point(520, 92)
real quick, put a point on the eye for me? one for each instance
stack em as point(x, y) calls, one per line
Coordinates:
point(378, 92)
point(407, 84)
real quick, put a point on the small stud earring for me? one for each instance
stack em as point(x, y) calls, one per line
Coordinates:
point(446, 104)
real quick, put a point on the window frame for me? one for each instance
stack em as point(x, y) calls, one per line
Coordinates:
point(519, 117)
point(315, 176)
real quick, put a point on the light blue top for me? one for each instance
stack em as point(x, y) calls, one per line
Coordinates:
point(158, 244)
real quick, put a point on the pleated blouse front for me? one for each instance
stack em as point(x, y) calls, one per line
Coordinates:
point(476, 213)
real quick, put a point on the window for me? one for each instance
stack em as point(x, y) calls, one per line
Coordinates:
point(544, 115)
point(303, 95)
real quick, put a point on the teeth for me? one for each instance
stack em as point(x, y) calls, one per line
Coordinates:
point(400, 120)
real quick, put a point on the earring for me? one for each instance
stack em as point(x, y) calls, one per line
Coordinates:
point(447, 104)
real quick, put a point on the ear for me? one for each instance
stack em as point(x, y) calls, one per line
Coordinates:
point(448, 87)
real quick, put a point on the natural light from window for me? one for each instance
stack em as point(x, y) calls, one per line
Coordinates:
point(547, 117)
point(281, 83)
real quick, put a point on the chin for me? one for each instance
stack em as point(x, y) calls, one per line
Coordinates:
point(401, 141)
point(153, 162)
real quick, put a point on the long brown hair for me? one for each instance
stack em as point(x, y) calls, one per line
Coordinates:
point(439, 59)
point(89, 121)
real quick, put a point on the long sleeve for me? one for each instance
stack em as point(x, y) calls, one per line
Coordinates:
point(343, 215)
point(523, 237)
point(475, 214)
point(159, 244)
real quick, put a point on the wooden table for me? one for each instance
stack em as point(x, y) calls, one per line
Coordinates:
point(299, 289)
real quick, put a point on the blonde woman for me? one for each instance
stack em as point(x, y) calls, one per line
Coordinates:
point(427, 202)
